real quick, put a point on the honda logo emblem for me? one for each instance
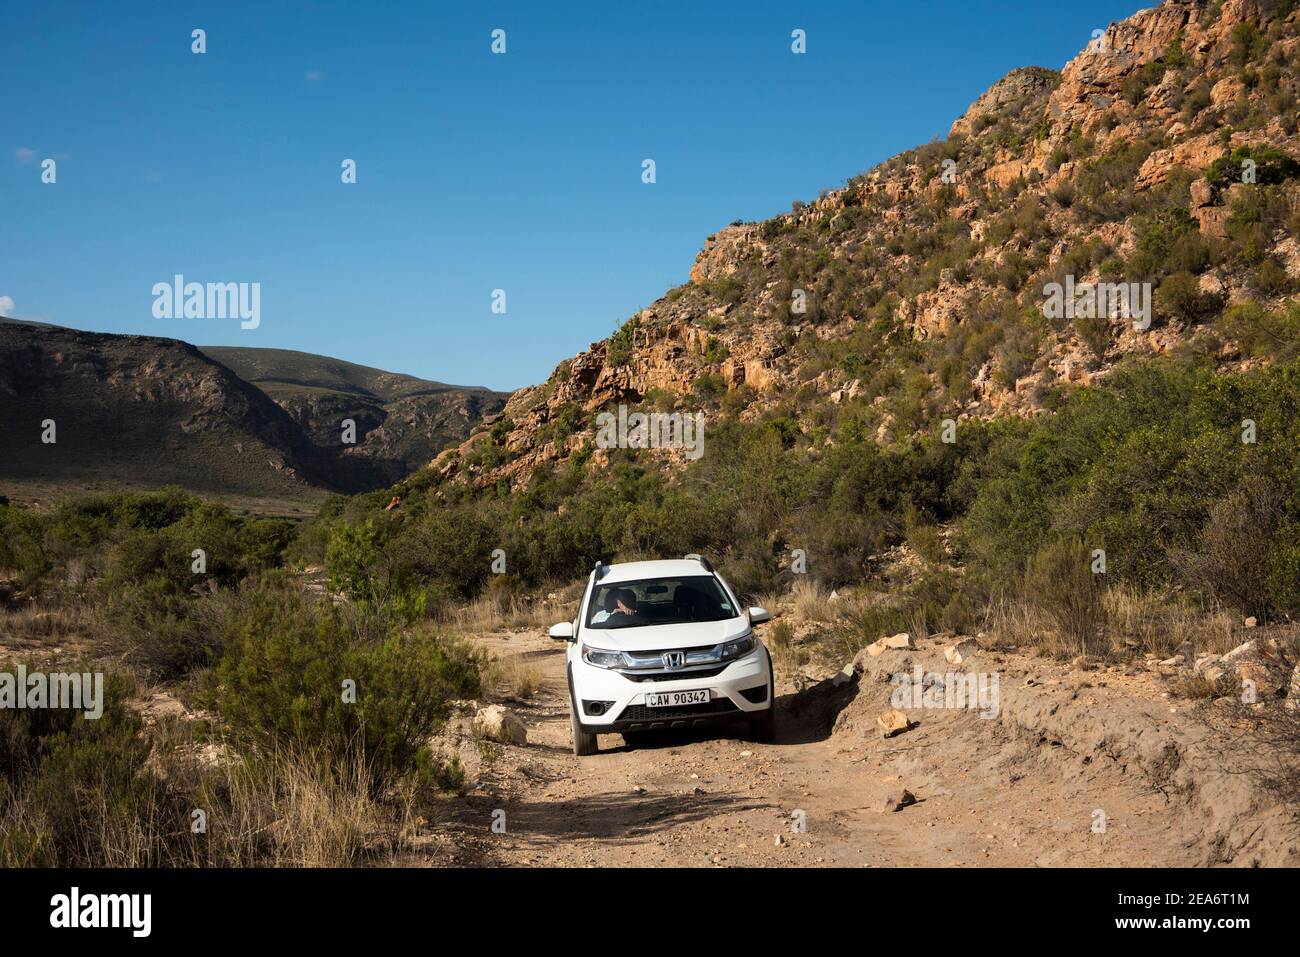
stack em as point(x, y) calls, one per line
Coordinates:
point(674, 659)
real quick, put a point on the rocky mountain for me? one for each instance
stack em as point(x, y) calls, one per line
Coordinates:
point(401, 421)
point(149, 411)
point(1162, 159)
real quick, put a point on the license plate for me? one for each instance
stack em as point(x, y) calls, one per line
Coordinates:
point(675, 699)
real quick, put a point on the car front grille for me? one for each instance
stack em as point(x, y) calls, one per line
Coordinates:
point(673, 675)
point(639, 712)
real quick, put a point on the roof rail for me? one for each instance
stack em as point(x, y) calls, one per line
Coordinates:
point(692, 557)
point(600, 569)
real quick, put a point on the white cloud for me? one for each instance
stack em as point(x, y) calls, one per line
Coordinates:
point(315, 76)
point(6, 306)
point(25, 156)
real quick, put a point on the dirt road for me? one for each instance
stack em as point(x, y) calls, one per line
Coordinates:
point(986, 793)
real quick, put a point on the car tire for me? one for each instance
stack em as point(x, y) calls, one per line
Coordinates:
point(584, 742)
point(762, 726)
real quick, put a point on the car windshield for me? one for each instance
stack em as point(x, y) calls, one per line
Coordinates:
point(659, 601)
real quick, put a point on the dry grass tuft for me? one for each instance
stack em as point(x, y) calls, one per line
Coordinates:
point(287, 810)
point(810, 601)
point(520, 677)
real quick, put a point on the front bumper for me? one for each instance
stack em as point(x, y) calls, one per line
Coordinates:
point(743, 687)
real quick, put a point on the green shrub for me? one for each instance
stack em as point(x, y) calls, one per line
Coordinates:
point(79, 793)
point(619, 349)
point(289, 667)
point(1237, 551)
point(164, 632)
point(1179, 297)
point(353, 552)
point(1060, 583)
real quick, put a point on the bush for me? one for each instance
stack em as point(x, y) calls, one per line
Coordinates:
point(1061, 584)
point(290, 667)
point(1234, 558)
point(1271, 166)
point(79, 793)
point(619, 349)
point(163, 632)
point(1180, 298)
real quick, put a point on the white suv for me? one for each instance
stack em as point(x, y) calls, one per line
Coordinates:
point(663, 645)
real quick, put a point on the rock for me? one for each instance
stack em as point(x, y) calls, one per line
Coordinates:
point(1226, 91)
point(1267, 680)
point(1202, 192)
point(960, 651)
point(892, 722)
point(1261, 662)
point(1217, 678)
point(1247, 649)
point(779, 840)
point(901, 642)
point(844, 675)
point(161, 705)
point(1293, 691)
point(897, 800)
point(1251, 622)
point(496, 723)
point(1004, 174)
point(1211, 285)
point(1015, 86)
point(1203, 662)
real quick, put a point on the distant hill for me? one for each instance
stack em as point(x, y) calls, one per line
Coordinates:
point(148, 411)
point(401, 421)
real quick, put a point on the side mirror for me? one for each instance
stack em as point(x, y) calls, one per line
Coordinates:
point(562, 632)
point(759, 615)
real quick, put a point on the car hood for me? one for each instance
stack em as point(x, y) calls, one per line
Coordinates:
point(696, 634)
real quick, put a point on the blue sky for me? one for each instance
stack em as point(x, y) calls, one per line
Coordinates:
point(475, 171)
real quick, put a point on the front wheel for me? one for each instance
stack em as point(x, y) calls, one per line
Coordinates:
point(584, 743)
point(762, 726)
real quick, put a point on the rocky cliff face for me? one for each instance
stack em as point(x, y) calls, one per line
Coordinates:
point(917, 291)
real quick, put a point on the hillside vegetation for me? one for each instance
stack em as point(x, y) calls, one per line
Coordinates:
point(878, 368)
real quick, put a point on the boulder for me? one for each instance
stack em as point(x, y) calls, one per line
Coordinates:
point(892, 722)
point(497, 723)
point(899, 642)
point(1260, 661)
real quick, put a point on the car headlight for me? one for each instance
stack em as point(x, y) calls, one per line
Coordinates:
point(738, 648)
point(601, 658)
